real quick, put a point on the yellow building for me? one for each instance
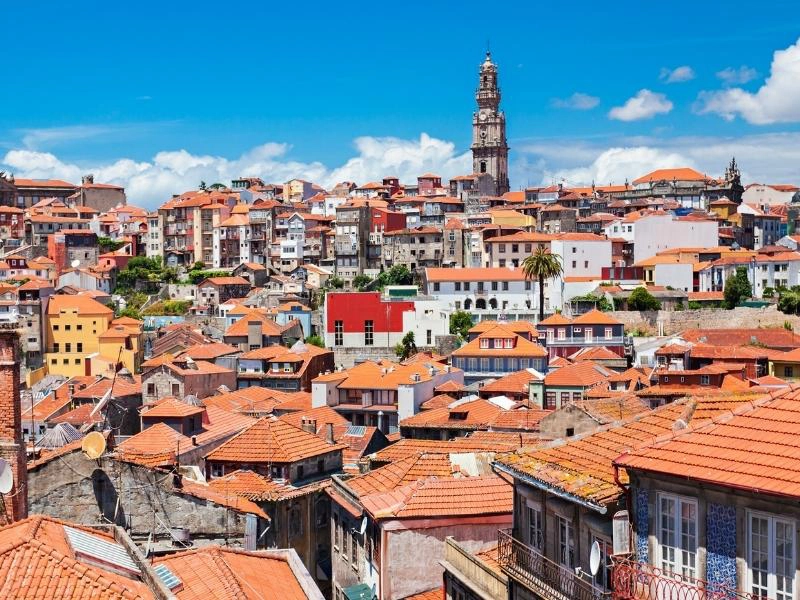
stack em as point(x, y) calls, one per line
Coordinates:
point(512, 218)
point(73, 328)
point(785, 365)
point(121, 343)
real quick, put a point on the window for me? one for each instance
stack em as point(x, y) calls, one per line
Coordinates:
point(55, 327)
point(77, 361)
point(704, 380)
point(354, 548)
point(527, 285)
point(151, 389)
point(466, 286)
point(335, 531)
point(570, 431)
point(502, 263)
point(566, 543)
point(480, 286)
point(588, 334)
point(176, 389)
point(79, 327)
point(68, 347)
point(484, 342)
point(770, 556)
point(508, 343)
point(535, 529)
point(564, 398)
point(528, 248)
point(485, 365)
point(562, 333)
point(550, 401)
point(609, 332)
point(429, 337)
point(574, 264)
point(436, 286)
point(80, 346)
point(55, 348)
point(494, 286)
point(369, 333)
point(787, 371)
point(677, 535)
point(603, 578)
point(338, 333)
point(498, 342)
point(458, 286)
point(501, 248)
point(67, 327)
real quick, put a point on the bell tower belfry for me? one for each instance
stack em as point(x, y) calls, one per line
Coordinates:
point(489, 145)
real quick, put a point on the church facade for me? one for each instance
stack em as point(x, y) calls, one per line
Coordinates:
point(489, 144)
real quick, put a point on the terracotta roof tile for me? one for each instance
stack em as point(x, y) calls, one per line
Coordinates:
point(753, 448)
point(273, 441)
point(582, 374)
point(475, 414)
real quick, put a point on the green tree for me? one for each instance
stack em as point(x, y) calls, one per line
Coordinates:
point(460, 324)
point(202, 186)
point(789, 302)
point(361, 281)
point(406, 347)
point(217, 186)
point(131, 313)
point(601, 302)
point(641, 299)
point(315, 340)
point(334, 283)
point(541, 265)
point(106, 244)
point(737, 288)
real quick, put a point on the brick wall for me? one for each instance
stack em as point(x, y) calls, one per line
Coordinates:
point(12, 449)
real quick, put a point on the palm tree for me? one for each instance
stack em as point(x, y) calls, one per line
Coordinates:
point(541, 265)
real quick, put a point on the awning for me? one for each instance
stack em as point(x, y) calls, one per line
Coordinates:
point(360, 591)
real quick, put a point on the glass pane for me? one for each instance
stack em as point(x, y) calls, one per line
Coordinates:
point(759, 555)
point(784, 560)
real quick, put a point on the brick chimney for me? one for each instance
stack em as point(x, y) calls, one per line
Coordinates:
point(12, 446)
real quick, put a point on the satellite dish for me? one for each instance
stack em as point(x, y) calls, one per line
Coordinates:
point(6, 477)
point(594, 558)
point(94, 445)
point(75, 263)
point(363, 526)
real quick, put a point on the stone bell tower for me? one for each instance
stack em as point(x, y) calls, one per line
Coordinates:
point(489, 145)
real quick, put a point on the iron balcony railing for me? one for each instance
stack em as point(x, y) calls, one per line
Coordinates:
point(580, 340)
point(633, 580)
point(542, 576)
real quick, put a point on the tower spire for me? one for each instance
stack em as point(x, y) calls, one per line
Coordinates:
point(489, 144)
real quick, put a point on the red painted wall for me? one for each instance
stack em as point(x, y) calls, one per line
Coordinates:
point(353, 308)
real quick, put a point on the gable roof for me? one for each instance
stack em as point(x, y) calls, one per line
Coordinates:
point(270, 440)
point(753, 447)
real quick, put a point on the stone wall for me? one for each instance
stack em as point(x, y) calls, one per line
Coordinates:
point(676, 321)
point(75, 488)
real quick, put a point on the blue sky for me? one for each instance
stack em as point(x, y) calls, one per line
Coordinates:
point(344, 89)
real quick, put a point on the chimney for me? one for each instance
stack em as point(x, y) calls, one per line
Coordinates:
point(309, 425)
point(254, 337)
point(380, 420)
point(87, 179)
point(12, 447)
point(329, 432)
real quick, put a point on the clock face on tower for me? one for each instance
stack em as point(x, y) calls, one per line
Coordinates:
point(482, 116)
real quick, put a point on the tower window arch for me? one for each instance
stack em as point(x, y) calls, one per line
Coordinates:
point(485, 80)
point(483, 166)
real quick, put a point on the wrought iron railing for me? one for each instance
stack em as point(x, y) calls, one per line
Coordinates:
point(542, 576)
point(633, 580)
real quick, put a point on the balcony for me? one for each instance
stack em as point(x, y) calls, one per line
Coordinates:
point(542, 576)
point(579, 340)
point(633, 580)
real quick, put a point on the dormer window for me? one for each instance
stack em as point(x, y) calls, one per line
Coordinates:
point(484, 342)
point(509, 343)
point(498, 342)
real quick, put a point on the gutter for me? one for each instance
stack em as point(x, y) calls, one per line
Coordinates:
point(551, 489)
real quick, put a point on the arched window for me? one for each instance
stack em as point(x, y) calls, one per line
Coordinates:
point(480, 304)
point(483, 166)
point(467, 304)
point(493, 303)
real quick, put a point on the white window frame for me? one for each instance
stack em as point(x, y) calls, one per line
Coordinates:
point(566, 542)
point(679, 563)
point(535, 531)
point(771, 590)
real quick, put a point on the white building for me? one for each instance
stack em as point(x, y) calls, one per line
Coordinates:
point(652, 233)
point(777, 270)
point(582, 254)
point(760, 194)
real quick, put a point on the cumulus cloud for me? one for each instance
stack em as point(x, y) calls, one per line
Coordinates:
point(148, 183)
point(577, 101)
point(644, 105)
point(677, 75)
point(732, 76)
point(770, 158)
point(774, 102)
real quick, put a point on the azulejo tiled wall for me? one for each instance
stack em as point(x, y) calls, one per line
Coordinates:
point(721, 546)
point(642, 524)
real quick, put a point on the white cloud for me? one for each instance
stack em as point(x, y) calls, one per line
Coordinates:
point(732, 76)
point(766, 158)
point(774, 102)
point(644, 105)
point(577, 101)
point(149, 183)
point(677, 75)
point(37, 138)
